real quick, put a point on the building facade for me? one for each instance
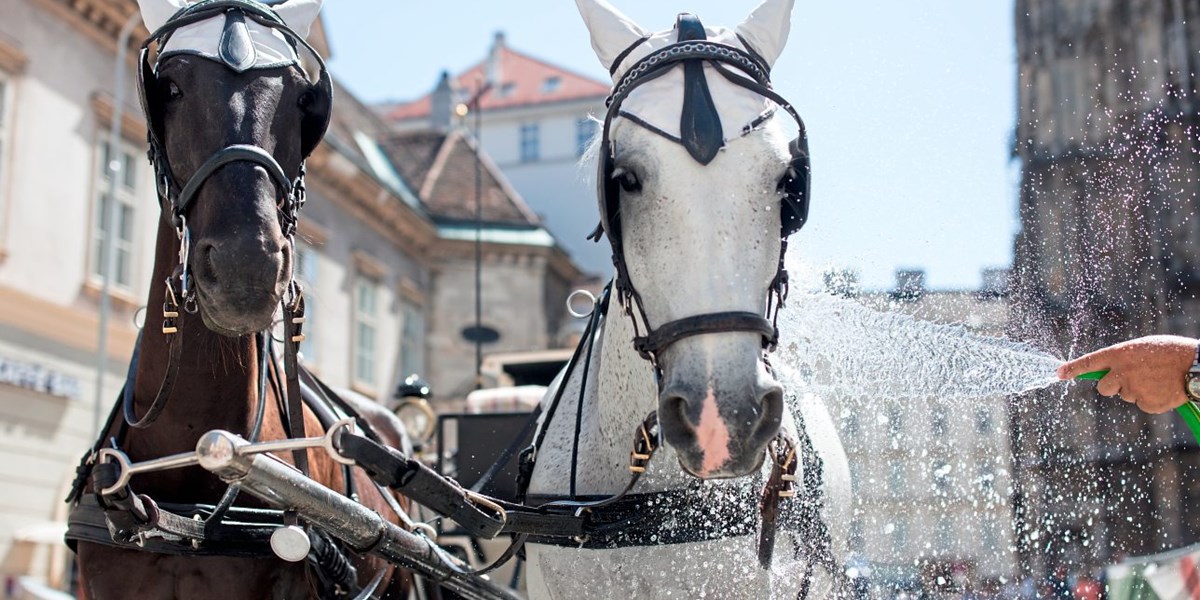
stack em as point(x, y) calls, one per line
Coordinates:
point(930, 475)
point(1106, 140)
point(521, 274)
point(536, 121)
point(363, 252)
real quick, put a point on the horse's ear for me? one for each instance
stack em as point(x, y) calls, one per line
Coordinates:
point(767, 28)
point(156, 12)
point(299, 14)
point(612, 32)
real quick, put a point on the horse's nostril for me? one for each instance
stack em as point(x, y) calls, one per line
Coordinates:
point(675, 408)
point(771, 413)
point(771, 395)
point(202, 263)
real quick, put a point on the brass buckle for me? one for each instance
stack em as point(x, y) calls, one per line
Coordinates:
point(644, 445)
point(783, 454)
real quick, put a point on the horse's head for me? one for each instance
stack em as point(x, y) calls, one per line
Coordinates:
point(696, 176)
point(232, 116)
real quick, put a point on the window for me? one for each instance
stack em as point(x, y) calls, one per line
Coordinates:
point(506, 89)
point(987, 476)
point(983, 421)
point(895, 422)
point(851, 424)
point(585, 130)
point(412, 338)
point(896, 477)
point(944, 542)
point(124, 167)
point(900, 538)
point(306, 272)
point(941, 476)
point(938, 425)
point(366, 326)
point(529, 142)
point(551, 84)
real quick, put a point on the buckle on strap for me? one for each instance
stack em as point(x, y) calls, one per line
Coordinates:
point(645, 443)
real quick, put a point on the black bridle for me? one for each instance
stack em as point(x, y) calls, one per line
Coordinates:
point(177, 199)
point(691, 52)
point(180, 197)
point(123, 519)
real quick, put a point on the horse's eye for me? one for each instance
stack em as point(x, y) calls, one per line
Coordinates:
point(627, 180)
point(306, 99)
point(173, 91)
point(785, 182)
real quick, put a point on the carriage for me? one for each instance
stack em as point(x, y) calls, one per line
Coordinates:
point(330, 505)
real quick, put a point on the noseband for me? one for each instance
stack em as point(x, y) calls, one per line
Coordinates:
point(691, 52)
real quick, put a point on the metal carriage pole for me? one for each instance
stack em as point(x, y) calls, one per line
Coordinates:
point(282, 486)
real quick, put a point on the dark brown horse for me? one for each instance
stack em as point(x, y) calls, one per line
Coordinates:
point(239, 223)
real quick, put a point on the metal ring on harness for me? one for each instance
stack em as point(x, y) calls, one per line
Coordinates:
point(591, 303)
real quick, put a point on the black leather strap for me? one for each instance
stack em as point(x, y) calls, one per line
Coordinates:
point(659, 339)
point(293, 318)
point(159, 403)
point(224, 156)
point(616, 64)
point(670, 517)
point(242, 532)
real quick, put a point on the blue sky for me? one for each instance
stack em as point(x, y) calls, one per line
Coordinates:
point(910, 109)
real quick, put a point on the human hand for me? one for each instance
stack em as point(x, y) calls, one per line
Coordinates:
point(1147, 371)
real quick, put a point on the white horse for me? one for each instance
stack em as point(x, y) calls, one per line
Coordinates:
point(698, 227)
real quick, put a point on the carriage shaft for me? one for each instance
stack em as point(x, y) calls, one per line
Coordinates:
point(364, 530)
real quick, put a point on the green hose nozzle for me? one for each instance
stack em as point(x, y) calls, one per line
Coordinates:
point(1188, 410)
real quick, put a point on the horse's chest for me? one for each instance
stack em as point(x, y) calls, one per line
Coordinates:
point(110, 573)
point(725, 569)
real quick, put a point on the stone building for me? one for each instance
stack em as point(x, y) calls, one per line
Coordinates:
point(930, 475)
point(536, 120)
point(524, 274)
point(1106, 139)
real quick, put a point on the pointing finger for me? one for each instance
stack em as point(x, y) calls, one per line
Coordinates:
point(1094, 361)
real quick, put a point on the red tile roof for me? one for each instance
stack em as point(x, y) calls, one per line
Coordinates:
point(441, 167)
point(523, 82)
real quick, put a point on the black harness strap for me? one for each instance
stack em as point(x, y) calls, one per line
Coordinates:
point(659, 339)
point(293, 318)
point(174, 351)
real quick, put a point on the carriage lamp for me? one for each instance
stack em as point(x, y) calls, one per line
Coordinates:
point(414, 410)
point(1188, 410)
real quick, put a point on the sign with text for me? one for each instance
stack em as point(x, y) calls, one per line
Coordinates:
point(34, 377)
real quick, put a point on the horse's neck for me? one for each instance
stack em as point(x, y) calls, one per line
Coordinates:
point(620, 392)
point(215, 382)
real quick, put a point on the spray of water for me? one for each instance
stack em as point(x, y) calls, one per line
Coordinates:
point(837, 346)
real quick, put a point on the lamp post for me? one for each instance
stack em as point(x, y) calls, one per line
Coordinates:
point(107, 258)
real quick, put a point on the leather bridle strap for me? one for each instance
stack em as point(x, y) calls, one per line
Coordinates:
point(224, 156)
point(174, 335)
point(293, 316)
point(657, 340)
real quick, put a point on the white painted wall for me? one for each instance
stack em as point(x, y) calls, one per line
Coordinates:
point(556, 187)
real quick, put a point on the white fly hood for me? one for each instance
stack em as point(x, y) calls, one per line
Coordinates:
point(765, 30)
point(238, 42)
